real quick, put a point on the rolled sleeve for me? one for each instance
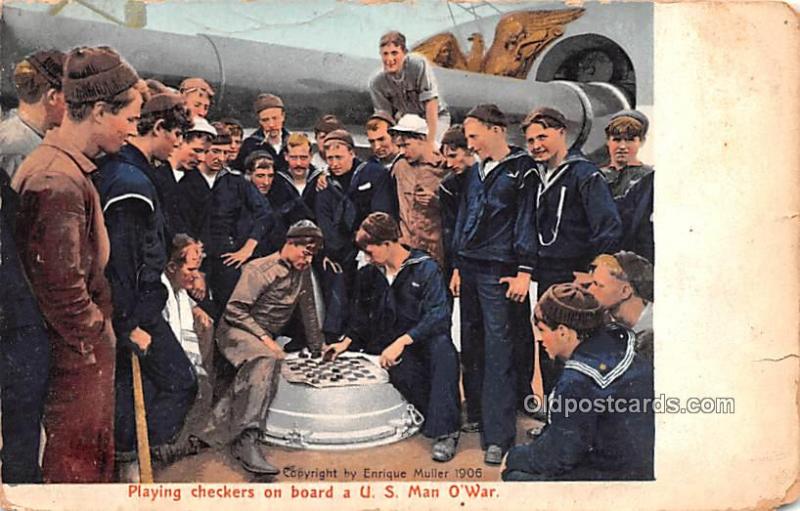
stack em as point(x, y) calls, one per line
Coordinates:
point(428, 87)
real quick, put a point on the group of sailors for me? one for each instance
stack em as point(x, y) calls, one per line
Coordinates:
point(137, 233)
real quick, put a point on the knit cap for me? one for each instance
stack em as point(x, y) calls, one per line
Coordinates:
point(50, 64)
point(570, 305)
point(96, 74)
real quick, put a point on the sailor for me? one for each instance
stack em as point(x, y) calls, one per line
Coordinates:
point(260, 170)
point(271, 136)
point(135, 221)
point(406, 85)
point(575, 219)
point(198, 95)
point(631, 181)
point(236, 130)
point(495, 247)
point(193, 329)
point(401, 311)
point(227, 214)
point(60, 211)
point(185, 158)
point(625, 135)
point(457, 159)
point(24, 344)
point(354, 190)
point(322, 127)
point(259, 309)
point(294, 191)
point(636, 211)
point(380, 140)
point(613, 438)
point(24, 356)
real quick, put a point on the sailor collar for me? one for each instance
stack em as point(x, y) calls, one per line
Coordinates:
point(411, 260)
point(559, 171)
point(603, 375)
point(513, 155)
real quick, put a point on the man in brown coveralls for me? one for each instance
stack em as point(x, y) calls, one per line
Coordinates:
point(64, 248)
point(257, 312)
point(418, 176)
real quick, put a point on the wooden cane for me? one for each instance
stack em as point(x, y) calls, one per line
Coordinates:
point(142, 440)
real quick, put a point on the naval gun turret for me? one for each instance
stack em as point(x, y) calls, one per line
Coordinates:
point(314, 82)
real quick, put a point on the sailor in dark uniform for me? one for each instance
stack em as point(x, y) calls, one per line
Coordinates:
point(227, 213)
point(294, 191)
point(354, 190)
point(135, 221)
point(601, 422)
point(575, 218)
point(401, 311)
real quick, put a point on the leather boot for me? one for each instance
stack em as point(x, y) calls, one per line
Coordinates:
point(246, 449)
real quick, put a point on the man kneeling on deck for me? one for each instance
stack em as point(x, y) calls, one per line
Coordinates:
point(400, 311)
point(260, 307)
point(600, 414)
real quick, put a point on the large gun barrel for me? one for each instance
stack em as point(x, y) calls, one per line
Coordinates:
point(311, 82)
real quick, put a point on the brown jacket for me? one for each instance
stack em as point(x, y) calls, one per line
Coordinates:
point(262, 304)
point(64, 245)
point(420, 226)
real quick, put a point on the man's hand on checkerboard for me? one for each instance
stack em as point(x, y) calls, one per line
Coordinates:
point(331, 351)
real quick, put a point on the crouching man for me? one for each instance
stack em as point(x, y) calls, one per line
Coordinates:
point(401, 312)
point(192, 326)
point(259, 309)
point(613, 438)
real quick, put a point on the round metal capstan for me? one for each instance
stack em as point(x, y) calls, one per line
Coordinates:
point(343, 416)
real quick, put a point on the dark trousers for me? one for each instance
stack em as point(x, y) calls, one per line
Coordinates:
point(522, 334)
point(472, 366)
point(221, 281)
point(169, 384)
point(79, 416)
point(336, 289)
point(427, 376)
point(483, 298)
point(24, 367)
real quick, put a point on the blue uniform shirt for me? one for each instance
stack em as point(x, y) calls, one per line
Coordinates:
point(601, 421)
point(575, 214)
point(495, 214)
point(415, 303)
point(136, 231)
